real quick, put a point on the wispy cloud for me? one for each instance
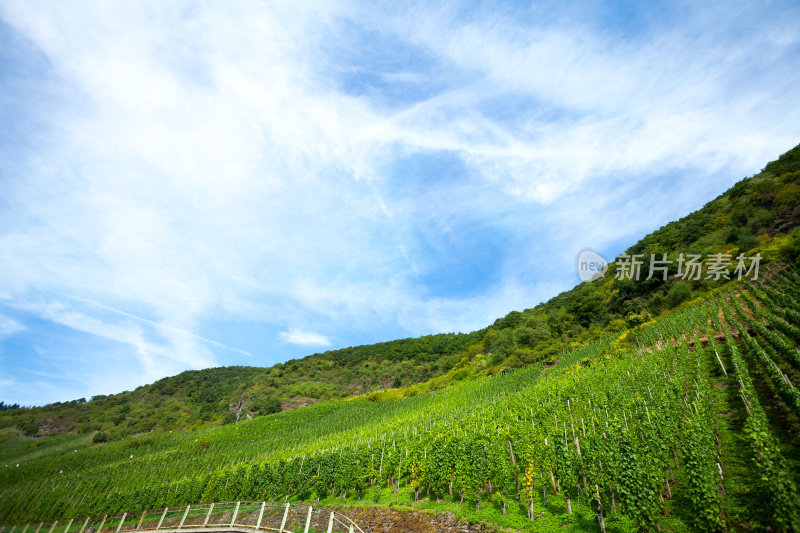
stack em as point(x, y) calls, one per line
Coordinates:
point(159, 326)
point(153, 355)
point(304, 338)
point(9, 327)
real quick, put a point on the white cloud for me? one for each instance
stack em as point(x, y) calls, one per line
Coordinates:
point(156, 357)
point(9, 327)
point(304, 338)
point(627, 106)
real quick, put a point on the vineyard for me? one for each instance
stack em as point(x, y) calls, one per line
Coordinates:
point(687, 423)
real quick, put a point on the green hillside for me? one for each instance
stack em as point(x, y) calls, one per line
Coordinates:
point(194, 398)
point(633, 419)
point(639, 404)
point(746, 218)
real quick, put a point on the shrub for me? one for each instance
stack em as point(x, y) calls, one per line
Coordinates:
point(29, 427)
point(790, 252)
point(266, 406)
point(679, 292)
point(616, 325)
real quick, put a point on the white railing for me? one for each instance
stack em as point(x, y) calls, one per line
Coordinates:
point(282, 517)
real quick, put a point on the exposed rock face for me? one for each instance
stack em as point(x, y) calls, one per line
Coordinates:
point(51, 426)
point(392, 520)
point(297, 402)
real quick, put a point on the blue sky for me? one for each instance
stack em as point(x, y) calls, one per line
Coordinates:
point(187, 185)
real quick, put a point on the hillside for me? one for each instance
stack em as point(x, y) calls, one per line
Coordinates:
point(746, 217)
point(212, 395)
point(641, 405)
point(631, 420)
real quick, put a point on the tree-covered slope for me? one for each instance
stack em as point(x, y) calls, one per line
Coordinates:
point(212, 395)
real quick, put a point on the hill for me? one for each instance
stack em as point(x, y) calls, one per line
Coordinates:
point(686, 423)
point(213, 395)
point(637, 404)
point(746, 218)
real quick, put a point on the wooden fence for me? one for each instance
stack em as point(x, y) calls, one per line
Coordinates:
point(221, 516)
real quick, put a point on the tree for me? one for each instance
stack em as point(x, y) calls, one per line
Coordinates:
point(679, 292)
point(588, 309)
point(534, 329)
point(266, 406)
point(502, 345)
point(510, 321)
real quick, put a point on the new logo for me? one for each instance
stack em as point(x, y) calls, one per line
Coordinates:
point(591, 266)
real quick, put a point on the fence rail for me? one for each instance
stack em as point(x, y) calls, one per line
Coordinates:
point(283, 517)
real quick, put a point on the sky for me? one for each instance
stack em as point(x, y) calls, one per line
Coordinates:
point(186, 185)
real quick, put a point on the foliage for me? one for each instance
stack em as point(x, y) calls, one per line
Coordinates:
point(679, 293)
point(610, 420)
